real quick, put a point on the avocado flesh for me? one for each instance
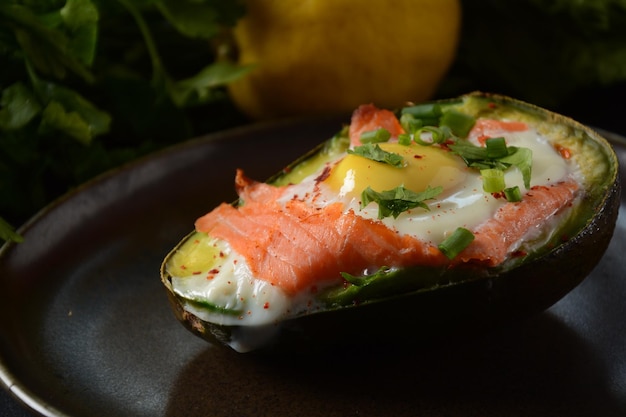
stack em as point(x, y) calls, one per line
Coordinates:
point(445, 300)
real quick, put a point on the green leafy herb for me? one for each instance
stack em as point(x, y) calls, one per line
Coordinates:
point(522, 158)
point(376, 153)
point(86, 85)
point(480, 157)
point(456, 242)
point(398, 200)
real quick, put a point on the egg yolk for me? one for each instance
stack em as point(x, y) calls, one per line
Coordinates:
point(423, 166)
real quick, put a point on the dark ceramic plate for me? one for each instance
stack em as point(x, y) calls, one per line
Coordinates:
point(86, 329)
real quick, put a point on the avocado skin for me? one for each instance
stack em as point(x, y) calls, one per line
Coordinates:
point(447, 312)
point(482, 302)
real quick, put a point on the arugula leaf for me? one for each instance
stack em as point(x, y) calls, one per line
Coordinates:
point(398, 200)
point(376, 153)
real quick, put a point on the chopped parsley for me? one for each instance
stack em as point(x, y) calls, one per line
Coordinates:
point(376, 153)
point(495, 155)
point(398, 200)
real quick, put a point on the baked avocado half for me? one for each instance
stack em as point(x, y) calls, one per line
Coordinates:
point(408, 225)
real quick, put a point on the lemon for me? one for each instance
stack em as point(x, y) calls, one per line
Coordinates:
point(327, 57)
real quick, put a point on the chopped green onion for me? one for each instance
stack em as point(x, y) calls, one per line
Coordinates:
point(496, 148)
point(375, 136)
point(459, 123)
point(409, 123)
point(429, 113)
point(493, 180)
point(456, 242)
point(404, 139)
point(437, 135)
point(513, 194)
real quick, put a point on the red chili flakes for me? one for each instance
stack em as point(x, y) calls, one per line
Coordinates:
point(497, 195)
point(287, 170)
point(325, 174)
point(519, 254)
point(221, 254)
point(266, 305)
point(196, 272)
point(482, 139)
point(563, 151)
point(418, 156)
point(492, 105)
point(183, 267)
point(445, 146)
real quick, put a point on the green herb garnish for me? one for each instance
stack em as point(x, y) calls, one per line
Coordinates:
point(513, 194)
point(459, 123)
point(375, 136)
point(376, 153)
point(87, 85)
point(398, 200)
point(456, 242)
point(436, 135)
point(495, 155)
point(493, 180)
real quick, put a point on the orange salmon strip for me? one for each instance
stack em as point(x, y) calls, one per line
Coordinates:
point(367, 117)
point(296, 246)
point(494, 238)
point(488, 128)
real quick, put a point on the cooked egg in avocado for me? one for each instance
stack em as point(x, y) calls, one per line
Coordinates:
point(216, 281)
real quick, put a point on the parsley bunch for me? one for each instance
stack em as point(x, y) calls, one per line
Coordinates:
point(86, 85)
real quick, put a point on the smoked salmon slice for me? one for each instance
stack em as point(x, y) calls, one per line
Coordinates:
point(488, 128)
point(494, 238)
point(368, 117)
point(297, 246)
